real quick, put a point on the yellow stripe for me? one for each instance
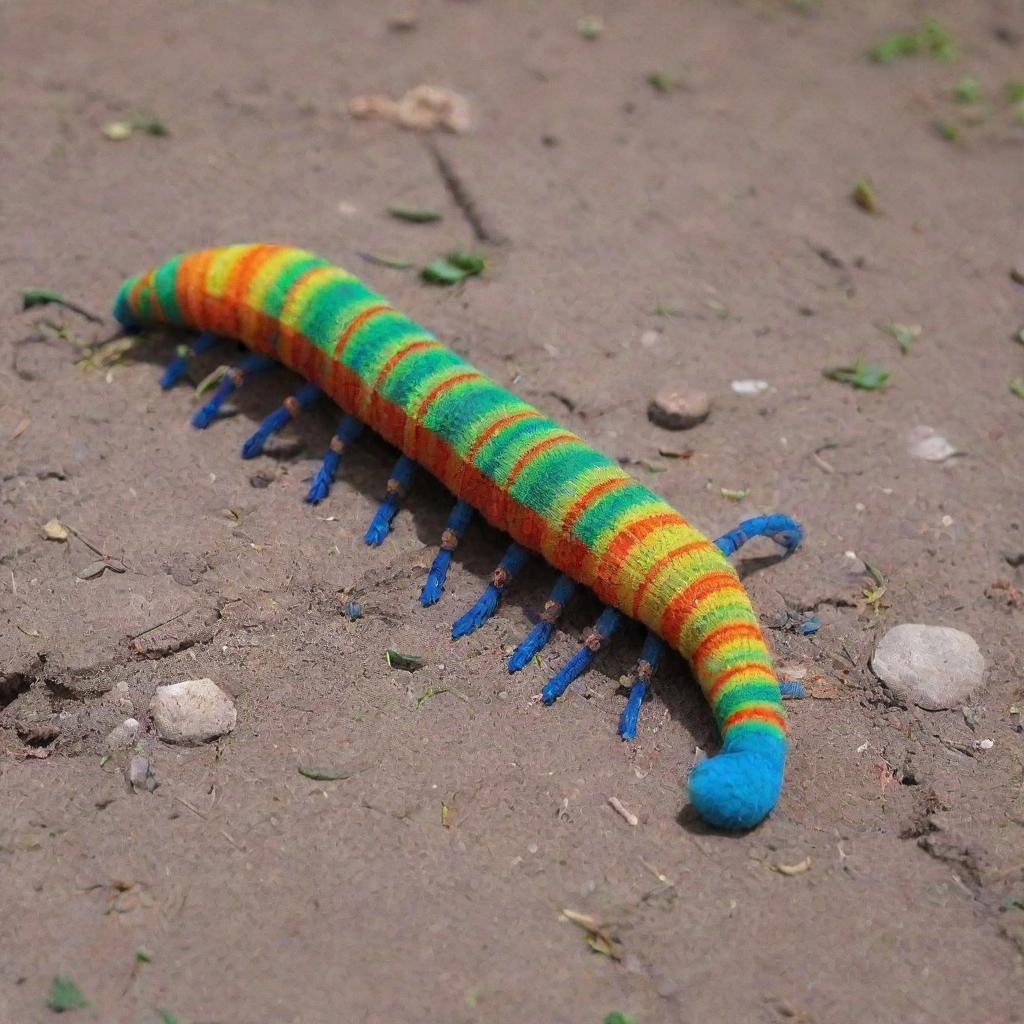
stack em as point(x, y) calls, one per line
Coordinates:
point(726, 598)
point(299, 297)
point(219, 270)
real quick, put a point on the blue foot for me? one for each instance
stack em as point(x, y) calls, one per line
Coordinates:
point(458, 520)
point(604, 629)
point(560, 595)
point(231, 382)
point(178, 366)
point(398, 484)
point(279, 418)
point(347, 433)
point(792, 689)
point(510, 565)
point(652, 651)
point(784, 531)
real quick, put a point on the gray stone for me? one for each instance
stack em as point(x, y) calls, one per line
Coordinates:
point(194, 711)
point(679, 407)
point(934, 667)
point(123, 735)
point(139, 773)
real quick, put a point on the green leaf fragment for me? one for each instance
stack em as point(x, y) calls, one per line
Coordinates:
point(1019, 336)
point(866, 376)
point(324, 774)
point(147, 124)
point(618, 1017)
point(166, 1017)
point(65, 995)
point(734, 495)
point(39, 297)
point(590, 27)
point(905, 334)
point(454, 267)
point(932, 39)
point(1014, 90)
point(409, 662)
point(660, 82)
point(1017, 386)
point(863, 196)
point(211, 380)
point(948, 130)
point(967, 90)
point(414, 216)
point(143, 956)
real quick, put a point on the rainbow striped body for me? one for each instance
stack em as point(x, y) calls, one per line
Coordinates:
point(520, 470)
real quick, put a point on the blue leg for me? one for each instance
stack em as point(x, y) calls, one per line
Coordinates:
point(608, 622)
point(511, 563)
point(652, 651)
point(458, 520)
point(541, 632)
point(792, 689)
point(347, 433)
point(178, 366)
point(398, 484)
point(279, 418)
point(783, 530)
point(232, 381)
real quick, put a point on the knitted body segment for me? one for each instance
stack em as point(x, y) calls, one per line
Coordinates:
point(523, 472)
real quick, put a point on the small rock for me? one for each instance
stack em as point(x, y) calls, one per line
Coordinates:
point(679, 408)
point(123, 735)
point(749, 387)
point(194, 711)
point(139, 774)
point(934, 667)
point(924, 443)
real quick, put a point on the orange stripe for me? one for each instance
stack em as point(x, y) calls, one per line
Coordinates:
point(388, 367)
point(686, 602)
point(498, 424)
point(721, 636)
point(755, 715)
point(532, 452)
point(356, 323)
point(589, 497)
point(622, 543)
point(716, 688)
point(660, 564)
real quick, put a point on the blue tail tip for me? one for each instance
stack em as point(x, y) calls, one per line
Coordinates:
point(737, 788)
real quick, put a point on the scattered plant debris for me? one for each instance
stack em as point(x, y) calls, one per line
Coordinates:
point(454, 267)
point(661, 82)
point(414, 216)
point(793, 869)
point(866, 376)
point(628, 816)
point(863, 195)
point(932, 39)
point(734, 495)
point(590, 27)
point(598, 937)
point(54, 529)
point(409, 662)
point(948, 130)
point(1017, 386)
point(618, 1017)
point(677, 453)
point(385, 261)
point(137, 124)
point(65, 995)
point(324, 774)
point(967, 90)
point(423, 108)
point(31, 297)
point(166, 1017)
point(905, 334)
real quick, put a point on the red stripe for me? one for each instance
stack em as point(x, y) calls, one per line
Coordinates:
point(755, 715)
point(721, 636)
point(532, 452)
point(732, 673)
point(498, 424)
point(355, 324)
point(687, 601)
point(589, 497)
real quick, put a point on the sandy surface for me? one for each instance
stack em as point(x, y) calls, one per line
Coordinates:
point(265, 897)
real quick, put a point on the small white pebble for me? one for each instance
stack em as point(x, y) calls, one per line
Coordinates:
point(347, 209)
point(852, 555)
point(532, 848)
point(860, 506)
point(947, 520)
point(749, 387)
point(862, 747)
point(984, 744)
point(649, 339)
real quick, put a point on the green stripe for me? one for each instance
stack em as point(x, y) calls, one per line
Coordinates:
point(565, 463)
point(404, 382)
point(277, 294)
point(164, 282)
point(497, 457)
point(738, 699)
point(462, 423)
point(333, 305)
point(376, 341)
point(609, 509)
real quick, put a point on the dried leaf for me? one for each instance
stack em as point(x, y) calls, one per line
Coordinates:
point(661, 82)
point(863, 196)
point(454, 267)
point(598, 938)
point(904, 334)
point(590, 27)
point(24, 422)
point(793, 869)
point(734, 495)
point(324, 774)
point(386, 261)
point(92, 570)
point(1017, 386)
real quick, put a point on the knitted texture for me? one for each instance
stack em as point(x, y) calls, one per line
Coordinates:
point(525, 474)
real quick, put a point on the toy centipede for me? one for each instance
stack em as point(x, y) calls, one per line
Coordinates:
point(502, 459)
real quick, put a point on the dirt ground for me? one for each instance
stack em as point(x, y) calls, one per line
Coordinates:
point(702, 234)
